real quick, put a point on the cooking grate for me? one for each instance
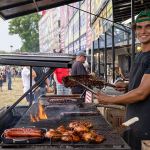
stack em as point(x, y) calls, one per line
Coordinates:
point(54, 120)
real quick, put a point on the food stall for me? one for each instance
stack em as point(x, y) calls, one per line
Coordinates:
point(54, 119)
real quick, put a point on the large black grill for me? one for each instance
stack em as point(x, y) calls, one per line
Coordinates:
point(55, 120)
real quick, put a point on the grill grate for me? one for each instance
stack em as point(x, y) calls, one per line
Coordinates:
point(54, 120)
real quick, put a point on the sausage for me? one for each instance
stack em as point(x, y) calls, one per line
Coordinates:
point(23, 129)
point(23, 133)
point(25, 137)
point(16, 132)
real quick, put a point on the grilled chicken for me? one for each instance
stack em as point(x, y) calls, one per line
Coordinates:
point(81, 130)
point(99, 139)
point(88, 125)
point(53, 130)
point(74, 124)
point(88, 137)
point(94, 132)
point(69, 139)
point(61, 129)
point(49, 134)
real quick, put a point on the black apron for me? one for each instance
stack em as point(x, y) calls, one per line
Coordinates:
point(139, 130)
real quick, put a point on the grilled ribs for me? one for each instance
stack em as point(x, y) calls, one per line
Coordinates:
point(84, 79)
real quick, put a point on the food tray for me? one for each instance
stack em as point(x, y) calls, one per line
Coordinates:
point(24, 141)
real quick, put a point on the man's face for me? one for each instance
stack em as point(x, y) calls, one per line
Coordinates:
point(143, 31)
point(83, 59)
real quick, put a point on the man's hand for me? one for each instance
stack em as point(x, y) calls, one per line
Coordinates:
point(121, 86)
point(102, 99)
point(93, 74)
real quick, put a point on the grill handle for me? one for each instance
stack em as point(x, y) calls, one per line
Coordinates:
point(61, 136)
point(83, 93)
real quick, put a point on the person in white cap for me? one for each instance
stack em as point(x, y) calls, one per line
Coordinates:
point(79, 69)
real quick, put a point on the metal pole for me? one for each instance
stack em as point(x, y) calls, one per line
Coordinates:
point(105, 64)
point(49, 72)
point(93, 66)
point(128, 50)
point(30, 85)
point(113, 53)
point(98, 58)
point(133, 32)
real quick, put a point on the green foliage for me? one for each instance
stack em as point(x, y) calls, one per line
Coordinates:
point(3, 52)
point(27, 29)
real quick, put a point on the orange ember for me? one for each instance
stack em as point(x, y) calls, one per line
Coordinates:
point(42, 114)
point(32, 119)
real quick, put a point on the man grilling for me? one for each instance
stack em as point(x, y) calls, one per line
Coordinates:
point(138, 97)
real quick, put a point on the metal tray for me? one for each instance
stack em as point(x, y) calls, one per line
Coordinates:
point(42, 57)
point(74, 97)
point(24, 141)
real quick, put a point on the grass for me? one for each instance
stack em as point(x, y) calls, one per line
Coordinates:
point(8, 97)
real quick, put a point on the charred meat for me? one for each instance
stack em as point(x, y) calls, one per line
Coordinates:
point(61, 129)
point(88, 137)
point(69, 139)
point(51, 133)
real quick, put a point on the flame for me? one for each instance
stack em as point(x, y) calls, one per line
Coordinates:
point(42, 114)
point(37, 118)
point(32, 119)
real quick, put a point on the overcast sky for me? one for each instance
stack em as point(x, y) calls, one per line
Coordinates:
point(6, 40)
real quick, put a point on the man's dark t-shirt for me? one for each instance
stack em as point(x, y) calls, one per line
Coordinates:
point(140, 57)
point(39, 73)
point(77, 69)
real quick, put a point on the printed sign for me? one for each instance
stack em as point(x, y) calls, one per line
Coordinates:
point(66, 50)
point(83, 42)
point(76, 46)
point(71, 49)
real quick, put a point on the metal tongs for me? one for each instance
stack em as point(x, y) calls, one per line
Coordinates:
point(84, 86)
point(103, 82)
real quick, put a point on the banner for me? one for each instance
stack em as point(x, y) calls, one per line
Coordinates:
point(70, 13)
point(96, 6)
point(102, 24)
point(88, 24)
point(76, 46)
point(83, 42)
point(46, 32)
point(66, 50)
point(62, 23)
point(71, 49)
point(97, 29)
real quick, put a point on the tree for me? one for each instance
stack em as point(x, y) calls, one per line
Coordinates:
point(27, 29)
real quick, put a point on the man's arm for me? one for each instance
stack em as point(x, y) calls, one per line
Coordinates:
point(33, 73)
point(136, 95)
point(9, 70)
point(47, 85)
point(55, 78)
